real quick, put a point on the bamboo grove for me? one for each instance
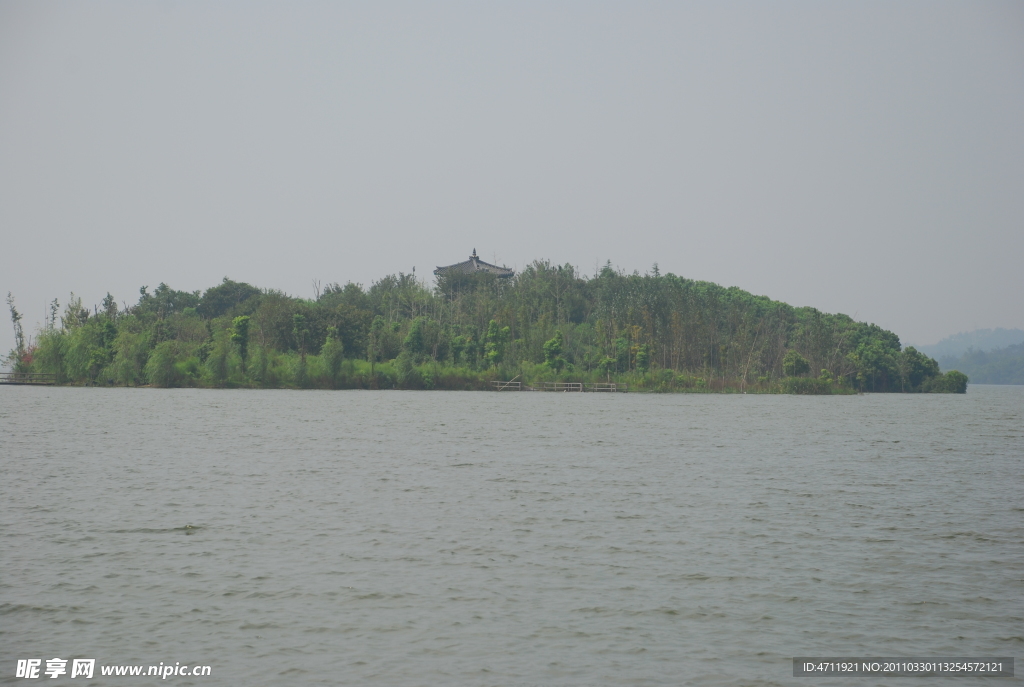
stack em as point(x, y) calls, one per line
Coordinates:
point(548, 323)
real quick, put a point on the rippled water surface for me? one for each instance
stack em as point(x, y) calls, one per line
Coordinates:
point(445, 538)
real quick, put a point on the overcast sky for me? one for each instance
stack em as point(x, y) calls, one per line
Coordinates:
point(859, 157)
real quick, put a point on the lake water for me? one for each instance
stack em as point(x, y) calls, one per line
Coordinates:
point(461, 538)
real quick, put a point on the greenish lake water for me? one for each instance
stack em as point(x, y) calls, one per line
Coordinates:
point(475, 538)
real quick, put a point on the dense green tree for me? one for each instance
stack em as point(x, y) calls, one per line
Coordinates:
point(414, 340)
point(163, 302)
point(240, 337)
point(953, 382)
point(333, 355)
point(160, 368)
point(131, 350)
point(225, 298)
point(49, 354)
point(643, 358)
point(914, 368)
point(553, 351)
point(300, 330)
point(218, 360)
point(795, 365)
point(495, 343)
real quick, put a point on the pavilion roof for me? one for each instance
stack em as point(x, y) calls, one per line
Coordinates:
point(472, 266)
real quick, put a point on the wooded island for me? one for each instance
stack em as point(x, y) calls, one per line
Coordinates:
point(547, 323)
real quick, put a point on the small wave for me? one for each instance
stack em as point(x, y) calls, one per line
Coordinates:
point(187, 529)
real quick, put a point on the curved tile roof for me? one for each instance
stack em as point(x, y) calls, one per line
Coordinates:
point(473, 265)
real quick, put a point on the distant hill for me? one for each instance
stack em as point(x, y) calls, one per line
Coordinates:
point(1001, 366)
point(979, 340)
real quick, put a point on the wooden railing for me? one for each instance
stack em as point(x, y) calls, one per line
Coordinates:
point(506, 386)
point(563, 386)
point(27, 378)
point(606, 386)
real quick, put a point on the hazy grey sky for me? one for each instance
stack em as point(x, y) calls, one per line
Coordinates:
point(859, 157)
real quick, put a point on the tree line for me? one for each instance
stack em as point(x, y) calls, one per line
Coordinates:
point(547, 323)
point(998, 366)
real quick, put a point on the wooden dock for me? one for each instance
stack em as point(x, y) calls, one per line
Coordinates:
point(610, 387)
point(36, 378)
point(562, 386)
point(575, 387)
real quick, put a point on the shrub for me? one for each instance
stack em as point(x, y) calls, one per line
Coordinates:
point(953, 382)
point(806, 385)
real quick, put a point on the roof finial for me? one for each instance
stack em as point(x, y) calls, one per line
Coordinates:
point(474, 254)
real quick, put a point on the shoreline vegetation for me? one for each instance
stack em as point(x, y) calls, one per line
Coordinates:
point(548, 323)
